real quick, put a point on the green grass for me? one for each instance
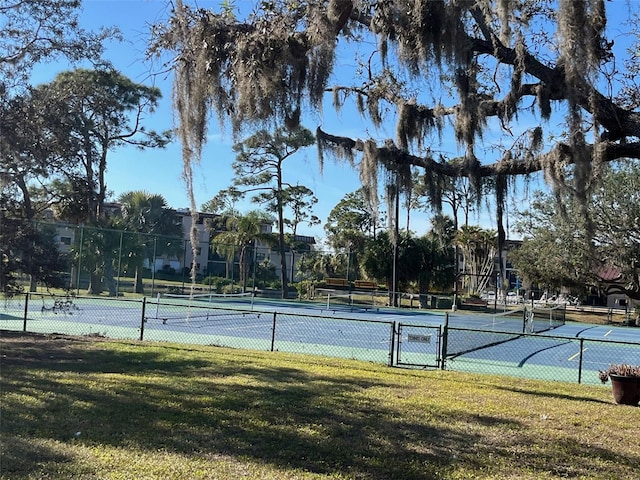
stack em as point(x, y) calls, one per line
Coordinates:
point(87, 408)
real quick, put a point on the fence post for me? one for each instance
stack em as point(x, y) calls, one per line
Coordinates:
point(445, 332)
point(26, 311)
point(438, 350)
point(393, 343)
point(580, 363)
point(144, 309)
point(273, 332)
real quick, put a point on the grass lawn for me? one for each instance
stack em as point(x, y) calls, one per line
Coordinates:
point(88, 408)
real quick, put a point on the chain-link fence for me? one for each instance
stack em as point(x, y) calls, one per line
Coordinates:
point(116, 261)
point(499, 344)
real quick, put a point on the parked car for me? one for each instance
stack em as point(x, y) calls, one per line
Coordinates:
point(514, 298)
point(488, 296)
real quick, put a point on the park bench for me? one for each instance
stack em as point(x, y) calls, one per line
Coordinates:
point(336, 282)
point(365, 284)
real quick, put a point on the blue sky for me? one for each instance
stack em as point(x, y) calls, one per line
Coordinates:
point(159, 171)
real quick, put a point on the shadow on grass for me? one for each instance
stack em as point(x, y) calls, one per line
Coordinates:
point(560, 396)
point(62, 353)
point(203, 403)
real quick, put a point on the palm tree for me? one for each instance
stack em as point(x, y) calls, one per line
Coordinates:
point(478, 247)
point(238, 237)
point(152, 221)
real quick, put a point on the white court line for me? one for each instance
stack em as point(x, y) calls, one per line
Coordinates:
point(220, 326)
point(234, 327)
point(606, 334)
point(493, 324)
point(572, 357)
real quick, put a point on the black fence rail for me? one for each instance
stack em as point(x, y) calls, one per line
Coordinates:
point(519, 344)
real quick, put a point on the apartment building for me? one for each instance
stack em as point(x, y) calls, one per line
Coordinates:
point(207, 261)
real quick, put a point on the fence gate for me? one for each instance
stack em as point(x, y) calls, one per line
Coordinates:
point(418, 346)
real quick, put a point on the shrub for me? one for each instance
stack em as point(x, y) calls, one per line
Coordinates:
point(305, 289)
point(218, 284)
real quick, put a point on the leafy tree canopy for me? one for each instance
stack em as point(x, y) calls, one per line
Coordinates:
point(33, 31)
point(351, 221)
point(29, 249)
point(61, 132)
point(300, 201)
point(421, 263)
point(239, 236)
point(556, 252)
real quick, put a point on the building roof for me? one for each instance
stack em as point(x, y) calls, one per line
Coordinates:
point(609, 273)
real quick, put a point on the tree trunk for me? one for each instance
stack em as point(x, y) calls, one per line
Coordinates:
point(283, 263)
point(283, 259)
point(138, 286)
point(95, 283)
point(423, 290)
point(242, 260)
point(109, 279)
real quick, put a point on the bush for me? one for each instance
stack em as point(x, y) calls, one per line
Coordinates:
point(305, 289)
point(218, 284)
point(266, 274)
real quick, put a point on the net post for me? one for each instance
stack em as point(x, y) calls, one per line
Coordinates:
point(445, 332)
point(144, 308)
point(524, 319)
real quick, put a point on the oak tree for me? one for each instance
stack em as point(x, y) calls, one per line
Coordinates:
point(522, 86)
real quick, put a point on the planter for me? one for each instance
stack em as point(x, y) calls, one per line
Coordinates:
point(626, 390)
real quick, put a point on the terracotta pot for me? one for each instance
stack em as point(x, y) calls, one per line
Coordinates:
point(626, 390)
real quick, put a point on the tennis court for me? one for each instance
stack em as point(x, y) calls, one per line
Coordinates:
point(514, 343)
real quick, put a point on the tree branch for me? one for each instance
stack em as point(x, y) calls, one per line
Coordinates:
point(611, 151)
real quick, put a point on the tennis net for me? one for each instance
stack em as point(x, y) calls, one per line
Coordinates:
point(350, 302)
point(512, 320)
point(241, 299)
point(542, 319)
point(191, 309)
point(469, 333)
point(204, 317)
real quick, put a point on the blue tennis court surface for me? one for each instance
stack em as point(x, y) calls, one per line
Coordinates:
point(399, 337)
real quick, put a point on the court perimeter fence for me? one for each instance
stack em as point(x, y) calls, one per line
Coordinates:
point(515, 343)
